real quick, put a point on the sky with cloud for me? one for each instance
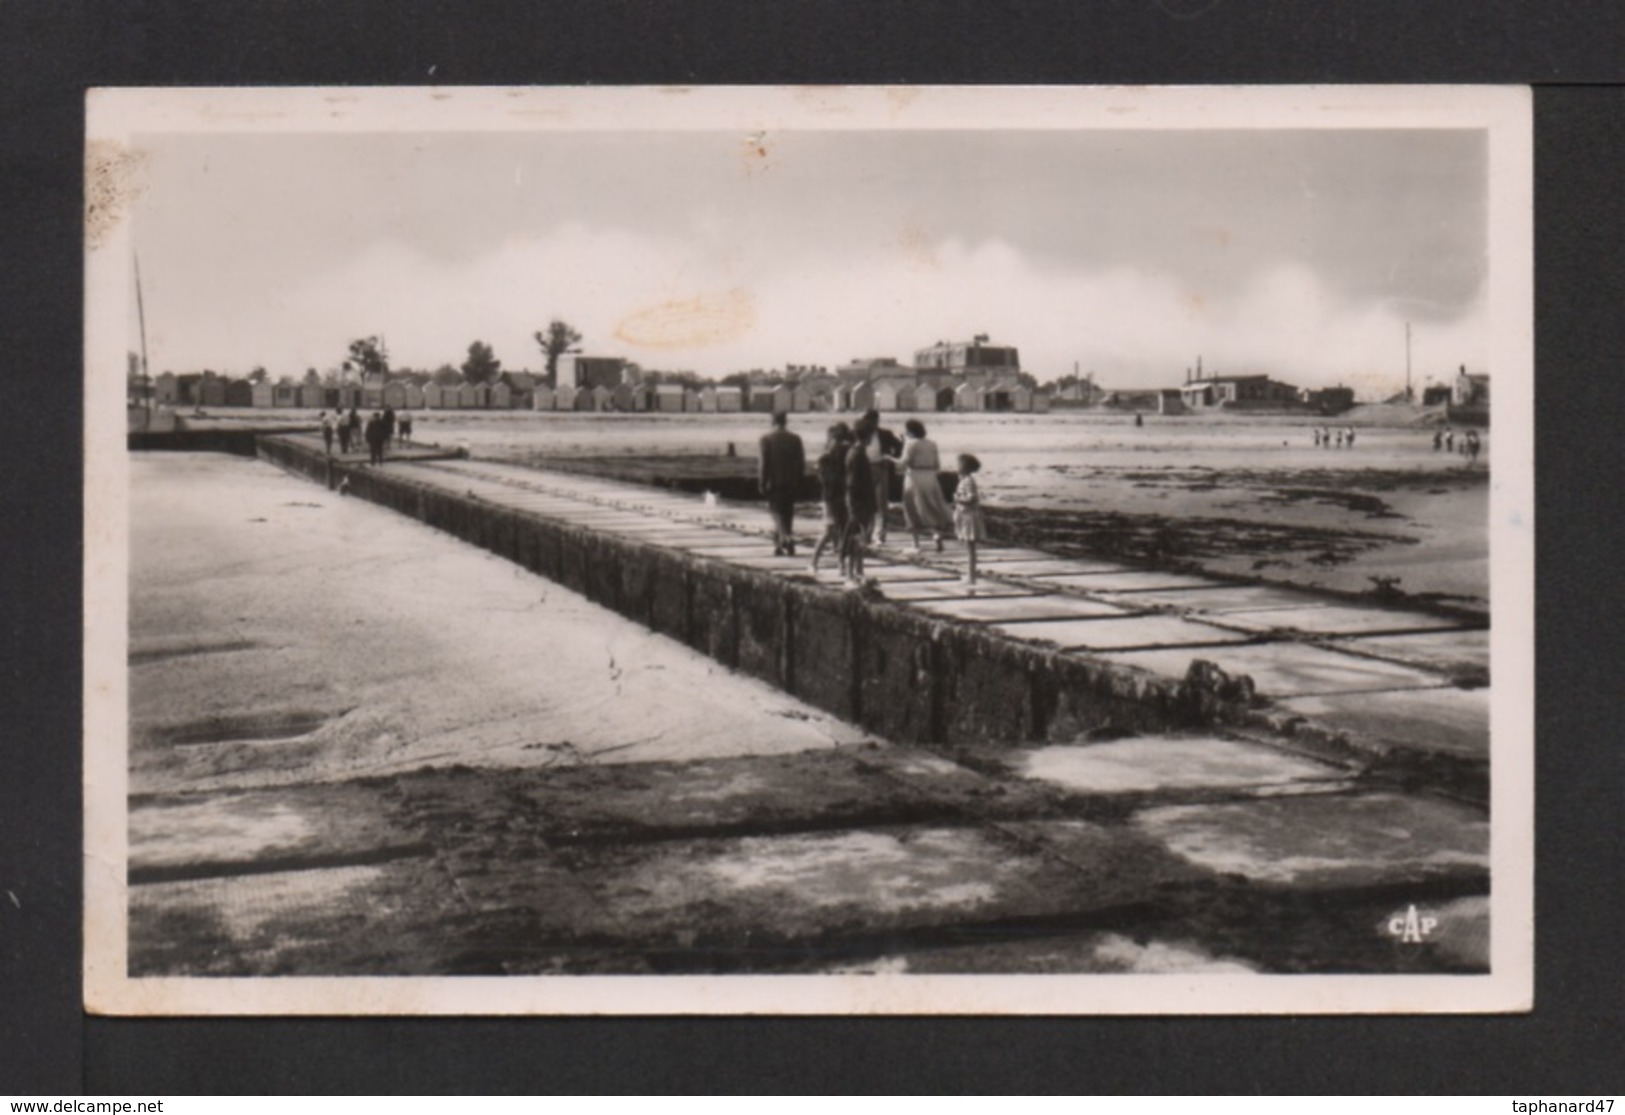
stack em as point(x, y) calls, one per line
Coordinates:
point(1126, 253)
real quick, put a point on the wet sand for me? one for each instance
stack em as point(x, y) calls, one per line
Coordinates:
point(283, 633)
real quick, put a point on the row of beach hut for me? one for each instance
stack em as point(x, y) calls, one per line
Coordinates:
point(882, 395)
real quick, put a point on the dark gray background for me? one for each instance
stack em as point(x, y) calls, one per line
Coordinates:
point(52, 50)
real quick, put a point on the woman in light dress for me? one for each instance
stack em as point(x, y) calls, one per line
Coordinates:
point(969, 522)
point(924, 508)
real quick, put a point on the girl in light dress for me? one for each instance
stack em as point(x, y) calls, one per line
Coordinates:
point(969, 523)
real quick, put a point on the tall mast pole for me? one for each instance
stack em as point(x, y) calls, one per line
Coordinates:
point(1409, 398)
point(141, 316)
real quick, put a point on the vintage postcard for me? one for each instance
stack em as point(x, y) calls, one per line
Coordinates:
point(809, 550)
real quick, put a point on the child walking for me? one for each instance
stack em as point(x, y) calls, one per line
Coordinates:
point(968, 521)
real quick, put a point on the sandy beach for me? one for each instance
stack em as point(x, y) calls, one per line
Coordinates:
point(280, 632)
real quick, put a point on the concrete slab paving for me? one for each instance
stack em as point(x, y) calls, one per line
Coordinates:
point(1000, 555)
point(1048, 566)
point(1452, 652)
point(1118, 632)
point(1451, 720)
point(1133, 580)
point(1335, 619)
point(181, 836)
point(886, 573)
point(1013, 608)
point(384, 919)
point(1044, 951)
point(1351, 842)
point(1146, 764)
point(871, 882)
point(1281, 670)
point(1232, 598)
point(951, 587)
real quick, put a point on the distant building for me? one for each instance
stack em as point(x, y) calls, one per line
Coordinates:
point(1329, 400)
point(587, 372)
point(863, 368)
point(974, 360)
point(1237, 392)
point(1470, 390)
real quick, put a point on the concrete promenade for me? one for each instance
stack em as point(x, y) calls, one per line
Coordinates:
point(1080, 811)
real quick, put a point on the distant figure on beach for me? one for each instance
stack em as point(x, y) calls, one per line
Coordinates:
point(1472, 447)
point(1317, 437)
point(924, 508)
point(1438, 440)
point(1351, 437)
point(389, 425)
point(884, 449)
point(1340, 439)
point(1325, 438)
point(405, 436)
point(1449, 441)
point(860, 500)
point(781, 463)
point(329, 427)
point(969, 523)
point(831, 467)
point(1139, 419)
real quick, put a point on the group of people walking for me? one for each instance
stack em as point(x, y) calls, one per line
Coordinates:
point(855, 472)
point(376, 433)
point(1325, 437)
point(1445, 439)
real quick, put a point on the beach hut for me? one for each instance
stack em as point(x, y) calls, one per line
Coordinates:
point(862, 397)
point(500, 396)
point(394, 395)
point(1040, 402)
point(908, 397)
point(431, 395)
point(212, 392)
point(166, 389)
point(264, 394)
point(622, 397)
point(542, 397)
point(372, 396)
point(312, 396)
point(968, 397)
point(285, 393)
point(473, 396)
point(414, 396)
point(886, 392)
point(602, 398)
point(669, 398)
point(730, 400)
point(708, 400)
point(691, 400)
point(349, 396)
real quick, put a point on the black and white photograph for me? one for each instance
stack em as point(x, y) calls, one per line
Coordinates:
point(809, 550)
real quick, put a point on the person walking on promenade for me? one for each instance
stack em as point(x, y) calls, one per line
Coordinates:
point(341, 423)
point(375, 438)
point(327, 432)
point(355, 428)
point(781, 464)
point(969, 522)
point(389, 425)
point(924, 508)
point(860, 500)
point(832, 481)
point(1472, 447)
point(405, 437)
point(884, 449)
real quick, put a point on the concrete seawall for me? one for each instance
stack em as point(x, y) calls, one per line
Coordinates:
point(902, 675)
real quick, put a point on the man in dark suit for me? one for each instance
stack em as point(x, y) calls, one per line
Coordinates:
point(782, 462)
